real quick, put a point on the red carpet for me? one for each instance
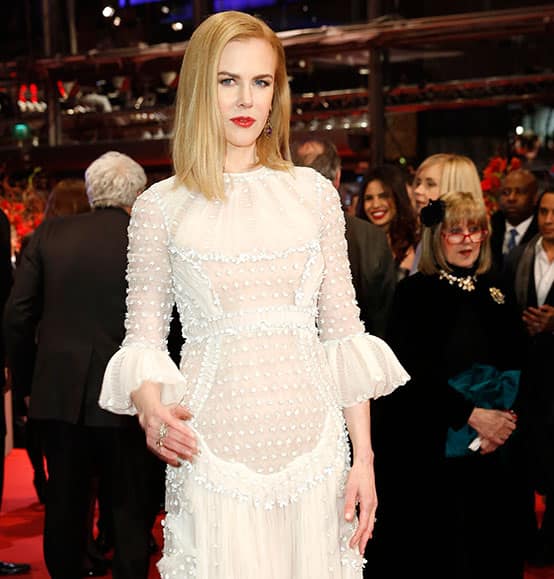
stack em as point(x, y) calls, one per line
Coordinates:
point(21, 519)
point(21, 522)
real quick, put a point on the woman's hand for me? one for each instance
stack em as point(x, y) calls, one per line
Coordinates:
point(360, 488)
point(493, 425)
point(539, 319)
point(487, 446)
point(167, 435)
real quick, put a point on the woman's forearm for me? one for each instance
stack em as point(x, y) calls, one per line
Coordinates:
point(358, 423)
point(147, 394)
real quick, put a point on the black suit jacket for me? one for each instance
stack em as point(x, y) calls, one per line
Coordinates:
point(373, 272)
point(68, 298)
point(5, 285)
point(498, 226)
point(536, 398)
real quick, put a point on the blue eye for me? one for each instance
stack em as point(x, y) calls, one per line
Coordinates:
point(261, 82)
point(226, 81)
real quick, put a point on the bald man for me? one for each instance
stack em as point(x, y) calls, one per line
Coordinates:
point(515, 222)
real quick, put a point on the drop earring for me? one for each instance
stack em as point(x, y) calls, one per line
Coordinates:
point(268, 129)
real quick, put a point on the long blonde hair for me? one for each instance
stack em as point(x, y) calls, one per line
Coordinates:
point(459, 173)
point(198, 137)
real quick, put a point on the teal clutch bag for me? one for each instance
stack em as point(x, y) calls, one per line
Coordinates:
point(486, 387)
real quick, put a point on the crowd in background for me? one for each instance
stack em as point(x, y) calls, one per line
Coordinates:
point(470, 313)
point(455, 288)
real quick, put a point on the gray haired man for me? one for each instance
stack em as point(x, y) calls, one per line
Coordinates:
point(68, 305)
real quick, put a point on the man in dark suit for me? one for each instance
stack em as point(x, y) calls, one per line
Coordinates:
point(371, 261)
point(530, 275)
point(69, 298)
point(6, 568)
point(514, 223)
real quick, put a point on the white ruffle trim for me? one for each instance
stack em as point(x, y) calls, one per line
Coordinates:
point(129, 367)
point(363, 367)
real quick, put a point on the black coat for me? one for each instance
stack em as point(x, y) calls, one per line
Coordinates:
point(536, 399)
point(68, 298)
point(437, 330)
point(498, 226)
point(373, 272)
point(5, 285)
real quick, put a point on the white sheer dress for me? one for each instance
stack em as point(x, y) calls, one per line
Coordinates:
point(274, 350)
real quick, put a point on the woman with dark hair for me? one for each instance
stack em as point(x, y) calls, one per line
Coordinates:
point(386, 203)
point(68, 197)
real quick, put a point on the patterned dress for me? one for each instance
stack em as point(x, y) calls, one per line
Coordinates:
point(274, 350)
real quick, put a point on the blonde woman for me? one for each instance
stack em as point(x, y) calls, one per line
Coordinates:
point(439, 174)
point(275, 363)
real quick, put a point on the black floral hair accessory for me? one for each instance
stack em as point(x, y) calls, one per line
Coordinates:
point(432, 213)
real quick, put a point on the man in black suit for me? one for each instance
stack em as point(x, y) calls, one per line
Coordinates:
point(530, 275)
point(69, 298)
point(6, 568)
point(515, 222)
point(371, 261)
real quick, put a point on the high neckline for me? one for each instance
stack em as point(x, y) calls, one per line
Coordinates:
point(462, 271)
point(252, 171)
point(253, 174)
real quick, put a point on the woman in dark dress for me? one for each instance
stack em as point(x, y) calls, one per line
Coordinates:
point(438, 516)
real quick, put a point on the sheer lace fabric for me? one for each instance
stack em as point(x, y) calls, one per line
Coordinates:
point(274, 349)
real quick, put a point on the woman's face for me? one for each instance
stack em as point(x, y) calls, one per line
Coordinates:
point(379, 205)
point(426, 185)
point(458, 246)
point(245, 76)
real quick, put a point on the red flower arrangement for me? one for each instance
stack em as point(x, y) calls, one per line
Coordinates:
point(493, 174)
point(23, 206)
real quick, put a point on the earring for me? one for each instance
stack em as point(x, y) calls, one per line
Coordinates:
point(268, 129)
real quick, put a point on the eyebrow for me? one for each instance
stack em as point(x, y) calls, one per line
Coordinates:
point(234, 75)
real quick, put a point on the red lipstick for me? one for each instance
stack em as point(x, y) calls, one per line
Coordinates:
point(243, 121)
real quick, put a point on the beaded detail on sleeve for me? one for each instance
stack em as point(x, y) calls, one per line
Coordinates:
point(339, 315)
point(149, 276)
point(362, 366)
point(150, 297)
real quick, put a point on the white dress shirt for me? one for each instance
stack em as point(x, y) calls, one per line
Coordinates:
point(521, 229)
point(544, 273)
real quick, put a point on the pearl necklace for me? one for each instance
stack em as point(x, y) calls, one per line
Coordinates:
point(465, 283)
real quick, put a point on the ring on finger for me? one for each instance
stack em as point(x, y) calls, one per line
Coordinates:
point(162, 433)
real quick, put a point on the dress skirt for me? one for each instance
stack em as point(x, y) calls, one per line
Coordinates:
point(225, 521)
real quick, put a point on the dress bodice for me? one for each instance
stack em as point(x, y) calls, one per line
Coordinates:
point(260, 280)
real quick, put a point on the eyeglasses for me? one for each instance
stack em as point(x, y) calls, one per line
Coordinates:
point(457, 238)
